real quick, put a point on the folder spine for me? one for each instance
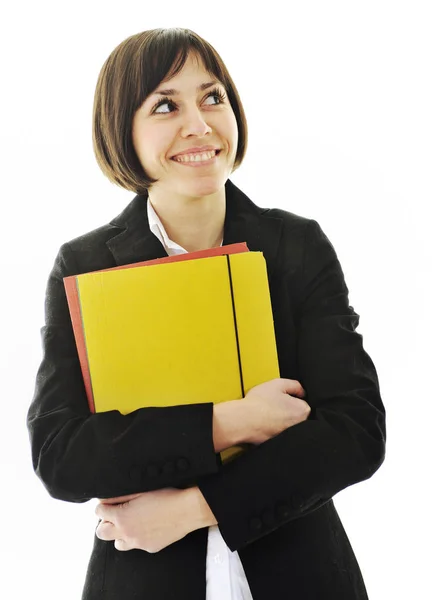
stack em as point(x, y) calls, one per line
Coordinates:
point(237, 339)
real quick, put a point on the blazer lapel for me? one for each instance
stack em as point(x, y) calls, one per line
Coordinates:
point(244, 222)
point(136, 242)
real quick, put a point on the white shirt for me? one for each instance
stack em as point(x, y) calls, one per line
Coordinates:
point(225, 576)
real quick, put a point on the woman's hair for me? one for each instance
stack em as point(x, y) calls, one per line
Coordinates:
point(134, 70)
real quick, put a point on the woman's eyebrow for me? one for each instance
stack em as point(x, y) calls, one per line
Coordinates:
point(174, 92)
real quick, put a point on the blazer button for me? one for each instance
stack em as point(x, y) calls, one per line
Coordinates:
point(268, 517)
point(182, 464)
point(135, 473)
point(283, 511)
point(255, 524)
point(152, 471)
point(168, 468)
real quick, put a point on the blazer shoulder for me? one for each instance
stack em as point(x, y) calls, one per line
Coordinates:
point(89, 251)
point(292, 222)
point(297, 231)
point(286, 215)
point(94, 238)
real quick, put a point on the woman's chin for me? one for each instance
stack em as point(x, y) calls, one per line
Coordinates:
point(205, 186)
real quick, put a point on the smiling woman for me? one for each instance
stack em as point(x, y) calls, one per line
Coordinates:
point(184, 102)
point(177, 522)
point(158, 135)
point(141, 65)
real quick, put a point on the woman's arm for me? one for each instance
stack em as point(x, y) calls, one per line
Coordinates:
point(79, 456)
point(343, 440)
point(233, 423)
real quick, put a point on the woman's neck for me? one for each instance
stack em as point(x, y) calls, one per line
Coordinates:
point(196, 225)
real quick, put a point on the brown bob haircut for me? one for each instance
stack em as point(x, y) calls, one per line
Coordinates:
point(135, 68)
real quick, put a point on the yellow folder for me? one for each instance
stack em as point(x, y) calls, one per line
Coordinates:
point(174, 333)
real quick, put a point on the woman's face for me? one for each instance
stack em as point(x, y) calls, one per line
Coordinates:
point(190, 118)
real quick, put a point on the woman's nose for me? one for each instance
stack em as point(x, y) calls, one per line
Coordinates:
point(195, 123)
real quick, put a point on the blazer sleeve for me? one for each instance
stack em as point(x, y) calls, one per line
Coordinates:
point(79, 455)
point(343, 440)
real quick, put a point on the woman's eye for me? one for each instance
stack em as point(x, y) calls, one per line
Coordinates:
point(165, 101)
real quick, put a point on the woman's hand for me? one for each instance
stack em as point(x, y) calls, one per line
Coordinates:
point(149, 521)
point(275, 406)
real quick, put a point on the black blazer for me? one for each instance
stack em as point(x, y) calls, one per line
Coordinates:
point(274, 503)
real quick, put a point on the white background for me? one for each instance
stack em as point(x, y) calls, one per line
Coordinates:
point(343, 105)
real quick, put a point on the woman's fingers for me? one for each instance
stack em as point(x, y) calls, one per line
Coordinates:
point(122, 545)
point(106, 531)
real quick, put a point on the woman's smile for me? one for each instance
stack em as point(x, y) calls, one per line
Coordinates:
point(186, 162)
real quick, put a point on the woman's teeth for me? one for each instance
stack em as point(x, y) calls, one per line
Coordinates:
point(195, 157)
